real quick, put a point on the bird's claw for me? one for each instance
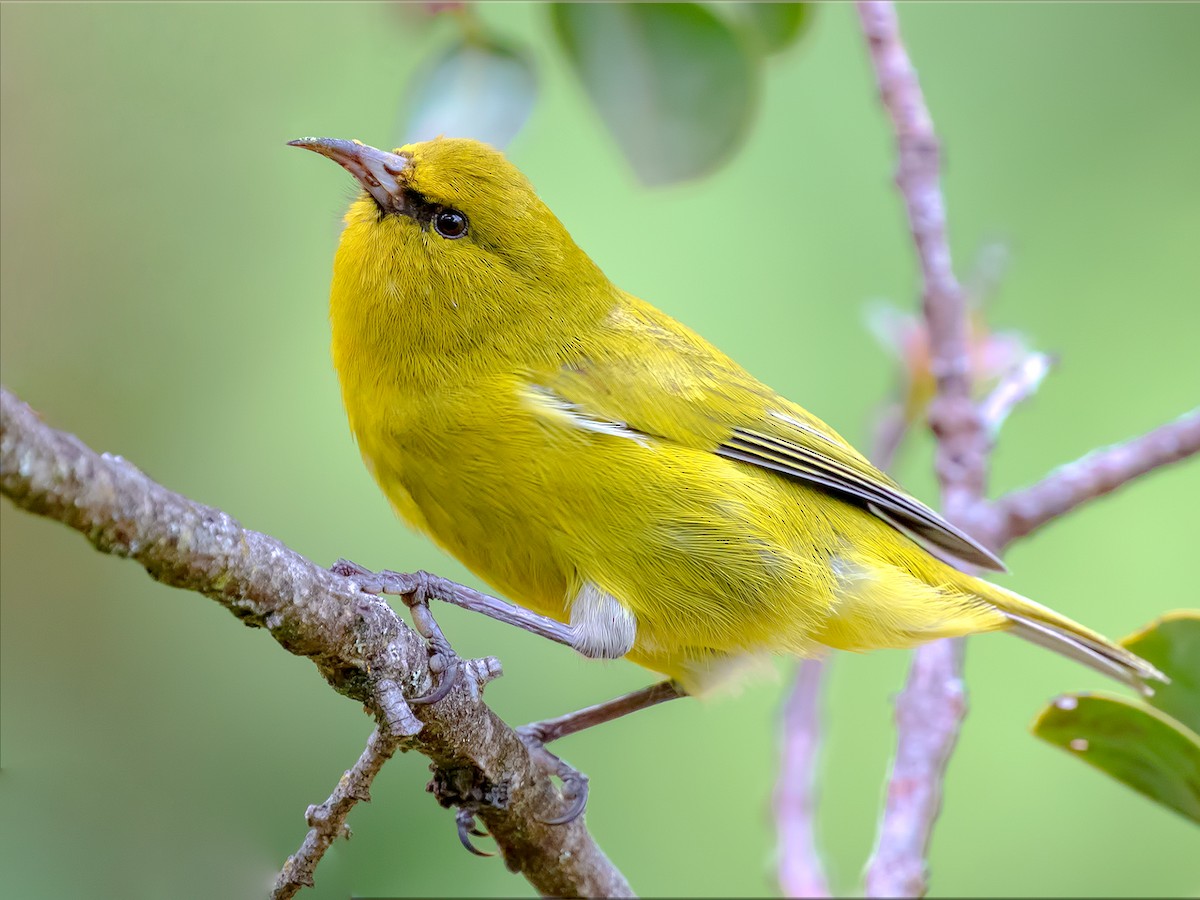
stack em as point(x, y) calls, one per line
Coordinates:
point(446, 662)
point(575, 793)
point(465, 820)
point(574, 782)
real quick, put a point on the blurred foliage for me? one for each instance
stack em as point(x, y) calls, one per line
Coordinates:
point(685, 92)
point(164, 289)
point(775, 25)
point(1152, 746)
point(480, 87)
point(677, 84)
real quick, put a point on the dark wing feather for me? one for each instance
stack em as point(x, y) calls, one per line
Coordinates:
point(894, 507)
point(662, 380)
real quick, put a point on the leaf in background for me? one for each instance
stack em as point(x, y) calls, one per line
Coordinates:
point(1173, 644)
point(673, 82)
point(777, 25)
point(1134, 743)
point(480, 89)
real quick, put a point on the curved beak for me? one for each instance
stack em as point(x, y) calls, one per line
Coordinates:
point(376, 170)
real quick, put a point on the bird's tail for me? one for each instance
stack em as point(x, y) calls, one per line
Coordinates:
point(1045, 627)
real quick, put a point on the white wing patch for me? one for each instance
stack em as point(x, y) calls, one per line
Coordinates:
point(563, 412)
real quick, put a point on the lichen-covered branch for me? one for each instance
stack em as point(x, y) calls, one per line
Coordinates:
point(356, 640)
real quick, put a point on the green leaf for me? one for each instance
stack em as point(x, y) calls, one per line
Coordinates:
point(776, 25)
point(674, 83)
point(1134, 743)
point(480, 88)
point(1172, 643)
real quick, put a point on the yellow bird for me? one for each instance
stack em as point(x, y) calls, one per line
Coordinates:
point(602, 465)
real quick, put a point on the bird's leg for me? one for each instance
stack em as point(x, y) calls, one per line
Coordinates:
point(405, 586)
point(600, 628)
point(575, 784)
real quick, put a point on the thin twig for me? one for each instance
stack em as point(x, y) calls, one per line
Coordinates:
point(952, 415)
point(929, 713)
point(800, 871)
point(357, 642)
point(1092, 476)
point(327, 822)
point(930, 710)
point(1014, 389)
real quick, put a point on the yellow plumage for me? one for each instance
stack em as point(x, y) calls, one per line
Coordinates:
point(599, 463)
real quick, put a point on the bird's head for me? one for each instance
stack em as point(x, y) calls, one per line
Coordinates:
point(451, 223)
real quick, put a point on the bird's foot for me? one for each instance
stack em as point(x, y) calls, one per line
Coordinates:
point(574, 782)
point(444, 663)
point(467, 790)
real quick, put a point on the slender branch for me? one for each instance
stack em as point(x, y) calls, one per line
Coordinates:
point(931, 708)
point(1092, 476)
point(929, 713)
point(358, 643)
point(800, 871)
point(327, 822)
point(952, 415)
point(1014, 389)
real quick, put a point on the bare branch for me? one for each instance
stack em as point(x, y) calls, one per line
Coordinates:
point(929, 713)
point(327, 822)
point(954, 420)
point(930, 710)
point(1094, 475)
point(357, 642)
point(800, 871)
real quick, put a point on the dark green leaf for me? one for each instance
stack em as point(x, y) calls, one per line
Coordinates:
point(1173, 644)
point(480, 89)
point(674, 83)
point(1134, 743)
point(776, 25)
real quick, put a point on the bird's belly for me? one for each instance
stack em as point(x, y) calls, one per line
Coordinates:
point(715, 559)
point(707, 555)
point(479, 522)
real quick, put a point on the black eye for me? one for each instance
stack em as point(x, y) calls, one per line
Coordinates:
point(450, 223)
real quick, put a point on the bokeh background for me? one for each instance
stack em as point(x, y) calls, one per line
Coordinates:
point(165, 271)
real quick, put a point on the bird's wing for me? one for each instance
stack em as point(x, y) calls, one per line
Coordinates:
point(671, 385)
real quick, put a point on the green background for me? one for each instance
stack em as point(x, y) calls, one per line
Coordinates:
point(165, 269)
